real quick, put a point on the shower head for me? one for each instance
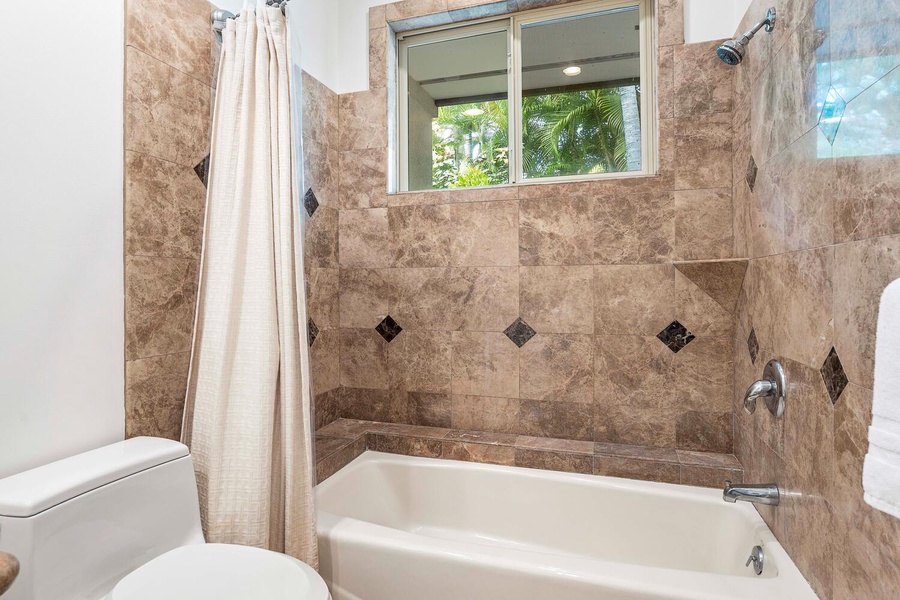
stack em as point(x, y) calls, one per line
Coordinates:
point(732, 52)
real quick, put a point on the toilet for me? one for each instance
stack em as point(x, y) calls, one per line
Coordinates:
point(123, 523)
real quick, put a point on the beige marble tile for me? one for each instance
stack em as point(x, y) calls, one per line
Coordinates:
point(665, 82)
point(698, 311)
point(799, 325)
point(431, 410)
point(327, 406)
point(620, 424)
point(555, 445)
point(557, 367)
point(484, 234)
point(419, 361)
point(703, 151)
point(364, 360)
point(367, 296)
point(154, 395)
point(565, 420)
point(809, 431)
point(553, 461)
point(330, 465)
point(867, 195)
point(557, 299)
point(160, 294)
point(409, 446)
point(670, 17)
point(321, 248)
point(167, 113)
point(633, 299)
point(633, 372)
point(488, 297)
point(325, 361)
point(634, 228)
point(703, 224)
point(363, 178)
point(164, 206)
point(481, 453)
point(705, 431)
point(428, 299)
point(320, 172)
point(556, 231)
point(406, 9)
point(485, 364)
point(703, 83)
point(720, 280)
point(175, 33)
point(320, 111)
point(711, 477)
point(480, 413)
point(635, 468)
point(639, 452)
point(420, 235)
point(383, 406)
point(363, 238)
point(378, 56)
point(809, 530)
point(363, 120)
point(861, 272)
point(704, 374)
point(322, 297)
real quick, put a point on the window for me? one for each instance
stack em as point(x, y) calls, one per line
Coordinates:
point(539, 96)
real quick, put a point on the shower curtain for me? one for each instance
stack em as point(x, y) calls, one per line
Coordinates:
point(247, 411)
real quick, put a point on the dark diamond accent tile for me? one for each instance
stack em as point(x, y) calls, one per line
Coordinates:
point(313, 330)
point(389, 329)
point(202, 170)
point(520, 332)
point(676, 337)
point(310, 202)
point(832, 114)
point(833, 374)
point(752, 171)
point(753, 345)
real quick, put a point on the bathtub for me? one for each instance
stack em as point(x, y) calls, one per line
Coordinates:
point(395, 527)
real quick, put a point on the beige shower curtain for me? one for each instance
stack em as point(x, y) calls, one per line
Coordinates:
point(247, 411)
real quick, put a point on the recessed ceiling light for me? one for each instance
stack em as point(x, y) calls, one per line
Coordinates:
point(572, 71)
point(473, 112)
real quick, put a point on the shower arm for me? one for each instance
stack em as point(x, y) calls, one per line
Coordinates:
point(768, 23)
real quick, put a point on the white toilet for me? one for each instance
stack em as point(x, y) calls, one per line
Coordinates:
point(123, 523)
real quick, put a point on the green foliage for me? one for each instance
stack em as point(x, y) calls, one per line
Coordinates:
point(570, 133)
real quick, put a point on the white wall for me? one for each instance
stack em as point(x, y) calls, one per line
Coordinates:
point(317, 21)
point(706, 20)
point(61, 266)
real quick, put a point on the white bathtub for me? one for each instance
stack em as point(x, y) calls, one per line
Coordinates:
point(401, 528)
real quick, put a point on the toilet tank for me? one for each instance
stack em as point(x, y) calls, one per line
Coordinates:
point(79, 525)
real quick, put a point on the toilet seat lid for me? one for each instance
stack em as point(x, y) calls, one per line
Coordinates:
point(222, 572)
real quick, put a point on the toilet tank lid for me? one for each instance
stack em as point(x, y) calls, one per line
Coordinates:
point(31, 492)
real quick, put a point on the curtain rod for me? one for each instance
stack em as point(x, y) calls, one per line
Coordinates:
point(220, 16)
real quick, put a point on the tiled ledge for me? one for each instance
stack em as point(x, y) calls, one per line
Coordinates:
point(343, 440)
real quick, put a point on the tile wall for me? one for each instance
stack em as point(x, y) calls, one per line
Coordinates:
point(583, 311)
point(816, 189)
point(169, 74)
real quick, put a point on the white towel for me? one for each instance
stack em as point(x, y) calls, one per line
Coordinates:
point(881, 472)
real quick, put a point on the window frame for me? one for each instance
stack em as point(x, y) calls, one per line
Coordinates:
point(513, 24)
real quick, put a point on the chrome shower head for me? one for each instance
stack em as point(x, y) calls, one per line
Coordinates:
point(732, 52)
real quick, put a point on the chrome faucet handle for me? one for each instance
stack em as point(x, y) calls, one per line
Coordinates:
point(772, 388)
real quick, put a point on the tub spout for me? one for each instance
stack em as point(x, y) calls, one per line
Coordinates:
point(758, 493)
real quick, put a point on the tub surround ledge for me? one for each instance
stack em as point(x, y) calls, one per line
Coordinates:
point(341, 441)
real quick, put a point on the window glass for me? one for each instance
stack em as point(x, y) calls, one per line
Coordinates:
point(581, 88)
point(458, 112)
